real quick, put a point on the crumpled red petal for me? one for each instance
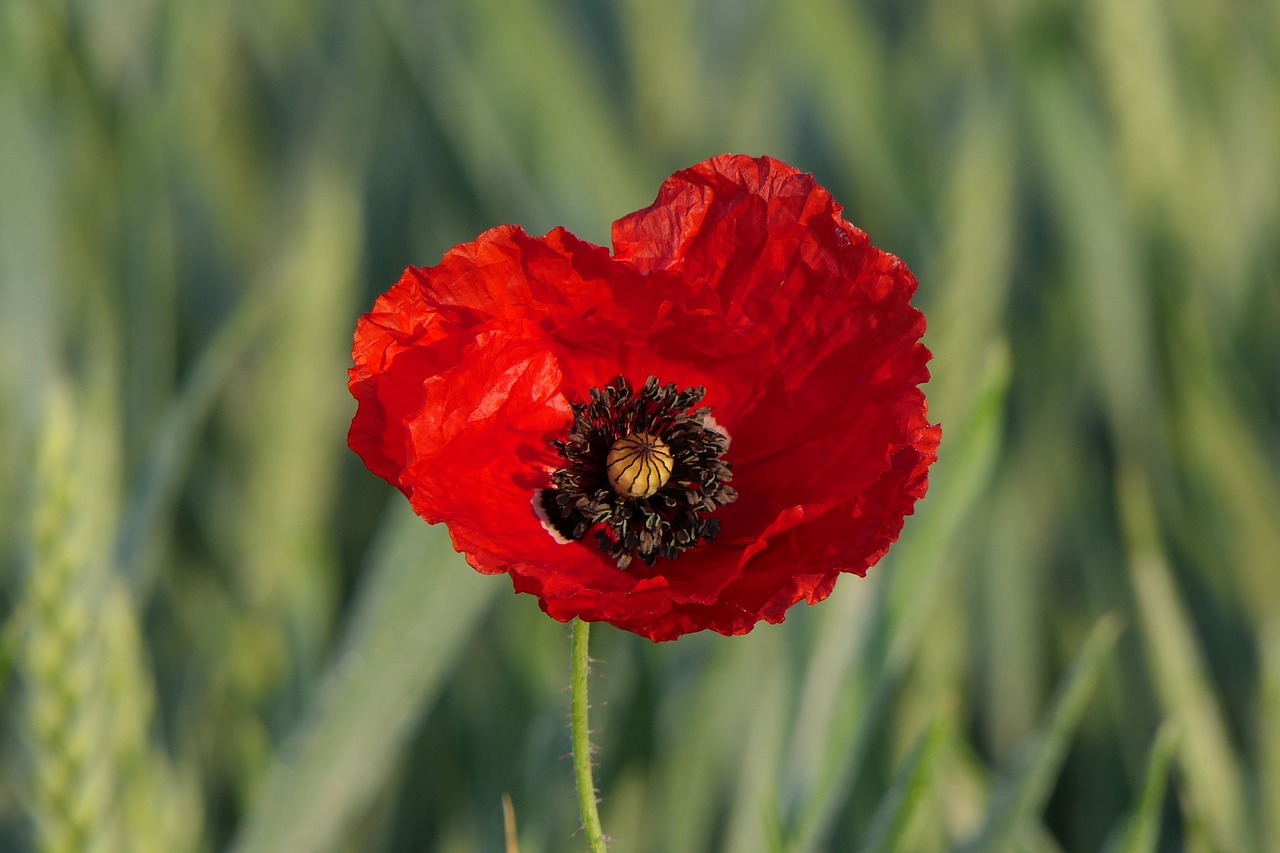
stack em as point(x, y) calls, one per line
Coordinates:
point(742, 277)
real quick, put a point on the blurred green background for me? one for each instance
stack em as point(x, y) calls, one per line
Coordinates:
point(221, 632)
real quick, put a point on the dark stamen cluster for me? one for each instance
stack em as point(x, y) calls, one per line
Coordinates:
point(665, 523)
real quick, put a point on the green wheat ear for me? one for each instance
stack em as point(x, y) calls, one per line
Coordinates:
point(94, 781)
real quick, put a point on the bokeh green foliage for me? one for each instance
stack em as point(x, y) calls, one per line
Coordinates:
point(220, 630)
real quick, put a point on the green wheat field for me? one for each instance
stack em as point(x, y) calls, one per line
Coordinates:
point(221, 633)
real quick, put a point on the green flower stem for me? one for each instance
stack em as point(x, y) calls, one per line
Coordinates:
point(582, 739)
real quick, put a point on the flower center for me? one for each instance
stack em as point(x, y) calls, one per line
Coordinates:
point(644, 469)
point(638, 465)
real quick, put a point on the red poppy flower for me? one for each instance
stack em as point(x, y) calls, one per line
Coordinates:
point(576, 417)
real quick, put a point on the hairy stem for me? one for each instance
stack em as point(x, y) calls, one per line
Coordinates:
point(582, 739)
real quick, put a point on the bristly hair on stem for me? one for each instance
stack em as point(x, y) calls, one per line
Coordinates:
point(580, 666)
